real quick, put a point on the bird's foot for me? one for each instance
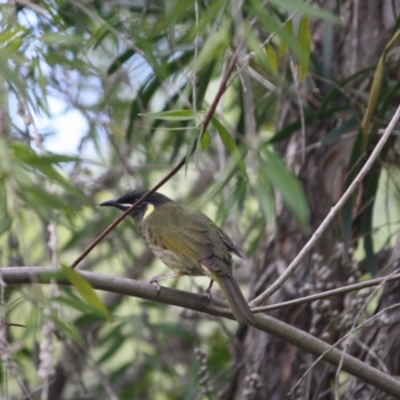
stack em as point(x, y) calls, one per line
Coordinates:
point(154, 281)
point(206, 297)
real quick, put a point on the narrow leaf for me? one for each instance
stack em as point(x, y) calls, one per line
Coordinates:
point(282, 179)
point(288, 130)
point(376, 87)
point(26, 155)
point(43, 202)
point(69, 331)
point(285, 36)
point(191, 147)
point(173, 115)
point(120, 60)
point(229, 143)
point(305, 43)
point(28, 158)
point(85, 289)
point(266, 199)
point(306, 9)
point(288, 28)
point(346, 126)
point(205, 140)
point(272, 58)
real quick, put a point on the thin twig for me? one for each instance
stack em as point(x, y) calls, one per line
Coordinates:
point(328, 293)
point(265, 323)
point(353, 328)
point(34, 7)
point(343, 354)
point(96, 17)
point(207, 119)
point(331, 215)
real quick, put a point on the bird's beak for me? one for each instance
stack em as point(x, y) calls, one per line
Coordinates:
point(116, 204)
point(109, 203)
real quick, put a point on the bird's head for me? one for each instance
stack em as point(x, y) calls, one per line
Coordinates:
point(123, 203)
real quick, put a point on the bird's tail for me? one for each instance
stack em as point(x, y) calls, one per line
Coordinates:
point(240, 309)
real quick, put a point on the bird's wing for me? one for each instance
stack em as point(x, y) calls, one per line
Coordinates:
point(179, 232)
point(227, 240)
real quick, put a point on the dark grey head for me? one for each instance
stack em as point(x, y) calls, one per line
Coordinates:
point(124, 202)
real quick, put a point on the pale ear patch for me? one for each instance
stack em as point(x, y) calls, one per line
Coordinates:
point(149, 210)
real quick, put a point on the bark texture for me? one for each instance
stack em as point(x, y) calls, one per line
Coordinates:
point(266, 367)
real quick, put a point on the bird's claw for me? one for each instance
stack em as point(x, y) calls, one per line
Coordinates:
point(154, 282)
point(206, 297)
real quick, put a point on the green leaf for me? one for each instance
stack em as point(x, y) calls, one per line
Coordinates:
point(288, 130)
point(270, 23)
point(150, 87)
point(69, 331)
point(272, 58)
point(214, 47)
point(347, 126)
point(72, 300)
point(190, 150)
point(5, 223)
point(120, 60)
point(11, 74)
point(235, 200)
point(205, 140)
point(174, 330)
point(229, 143)
point(113, 345)
point(204, 77)
point(229, 170)
point(306, 9)
point(88, 314)
point(27, 155)
point(173, 115)
point(85, 289)
point(44, 163)
point(53, 159)
point(305, 43)
point(337, 87)
point(208, 15)
point(376, 87)
point(288, 28)
point(89, 319)
point(12, 33)
point(43, 202)
point(282, 179)
point(265, 197)
point(5, 218)
point(61, 38)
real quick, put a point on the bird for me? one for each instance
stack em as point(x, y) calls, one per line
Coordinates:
point(187, 242)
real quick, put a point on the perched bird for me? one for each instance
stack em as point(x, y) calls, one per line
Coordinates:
point(187, 242)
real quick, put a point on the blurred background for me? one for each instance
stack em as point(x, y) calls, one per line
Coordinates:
point(99, 97)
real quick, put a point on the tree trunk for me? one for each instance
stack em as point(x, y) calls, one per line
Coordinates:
point(267, 367)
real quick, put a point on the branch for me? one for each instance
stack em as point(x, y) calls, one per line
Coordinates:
point(206, 122)
point(329, 293)
point(303, 340)
point(331, 215)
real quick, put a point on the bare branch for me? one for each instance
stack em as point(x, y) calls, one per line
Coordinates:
point(303, 340)
point(331, 215)
point(206, 122)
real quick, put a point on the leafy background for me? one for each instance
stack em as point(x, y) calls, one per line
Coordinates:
point(100, 97)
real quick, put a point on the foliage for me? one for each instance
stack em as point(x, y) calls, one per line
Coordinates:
point(142, 77)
